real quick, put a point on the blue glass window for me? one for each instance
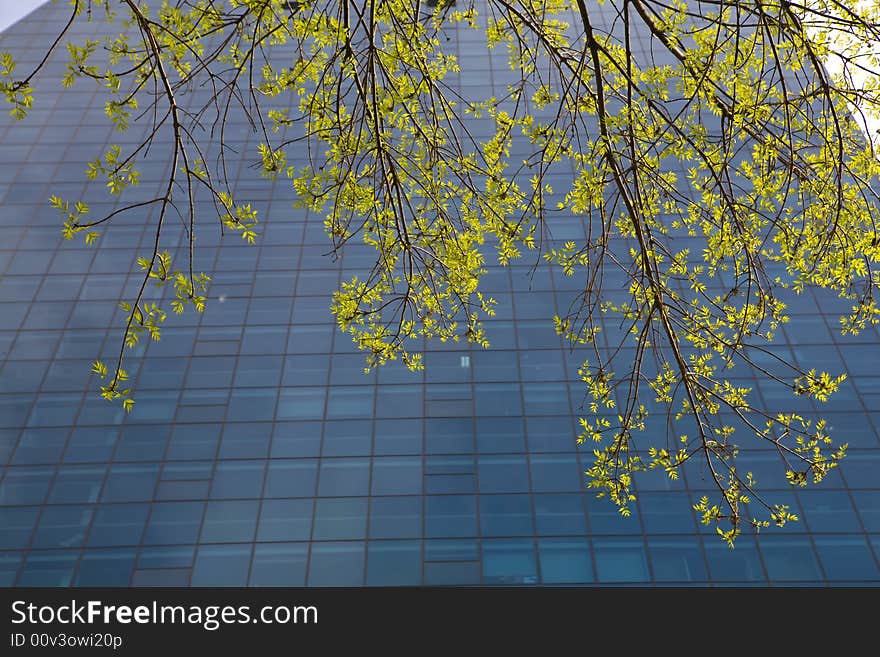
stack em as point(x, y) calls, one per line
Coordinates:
point(860, 469)
point(348, 369)
point(9, 563)
point(340, 518)
point(229, 521)
point(142, 443)
point(452, 574)
point(551, 434)
point(545, 365)
point(502, 474)
point(269, 310)
point(296, 439)
point(394, 563)
point(397, 372)
point(309, 340)
point(221, 565)
point(263, 340)
point(346, 438)
point(552, 473)
point(25, 376)
point(301, 404)
point(565, 560)
point(336, 564)
point(498, 399)
point(12, 314)
point(868, 504)
point(620, 560)
point(847, 558)
point(8, 441)
point(494, 365)
point(536, 334)
point(852, 428)
point(393, 401)
point(112, 567)
point(452, 550)
point(118, 524)
point(251, 404)
point(450, 483)
point(130, 483)
point(167, 557)
point(245, 440)
point(202, 405)
point(155, 405)
point(174, 522)
point(396, 476)
point(50, 568)
point(395, 517)
point(17, 523)
point(398, 436)
point(217, 341)
point(77, 483)
point(449, 435)
point(291, 478)
point(346, 476)
point(285, 520)
point(506, 515)
point(63, 526)
point(54, 410)
point(503, 435)
point(238, 479)
point(740, 565)
point(509, 561)
point(163, 373)
point(255, 371)
point(194, 441)
point(666, 513)
point(319, 283)
point(161, 577)
point(789, 558)
point(14, 409)
point(67, 375)
point(828, 511)
point(450, 516)
point(677, 559)
point(545, 399)
point(279, 564)
point(560, 514)
point(448, 366)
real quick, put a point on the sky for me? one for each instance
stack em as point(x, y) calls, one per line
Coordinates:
point(13, 10)
point(861, 74)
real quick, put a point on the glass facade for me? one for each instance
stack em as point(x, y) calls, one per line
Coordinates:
point(259, 453)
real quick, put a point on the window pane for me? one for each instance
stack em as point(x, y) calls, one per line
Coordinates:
point(505, 515)
point(279, 565)
point(285, 520)
point(340, 518)
point(336, 564)
point(565, 560)
point(229, 521)
point(394, 563)
point(620, 560)
point(395, 517)
point(847, 558)
point(677, 560)
point(221, 565)
point(509, 562)
point(118, 524)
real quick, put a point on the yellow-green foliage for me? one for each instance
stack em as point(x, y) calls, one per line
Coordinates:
point(736, 137)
